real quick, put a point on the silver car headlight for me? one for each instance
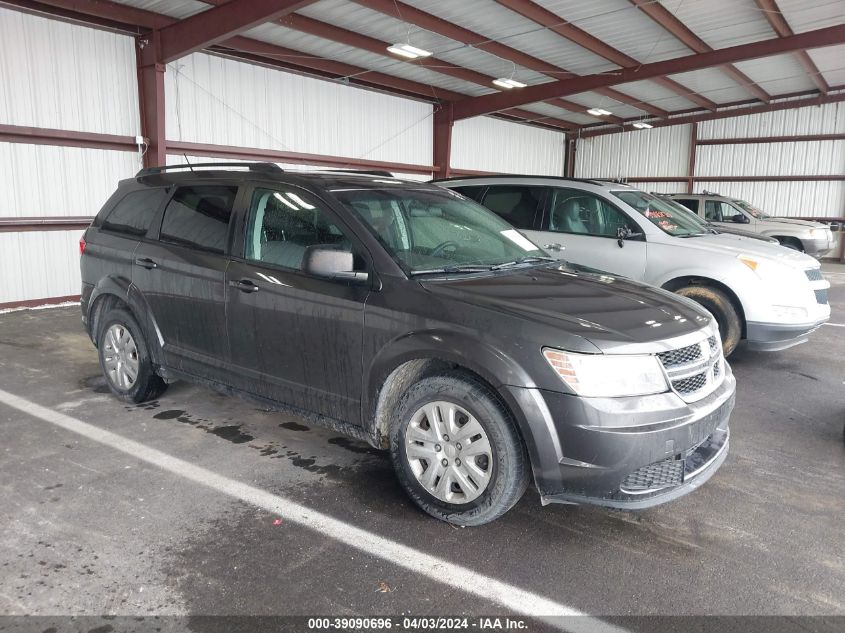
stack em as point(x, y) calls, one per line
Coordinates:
point(607, 375)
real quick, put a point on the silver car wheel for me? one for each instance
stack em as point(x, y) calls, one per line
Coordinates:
point(449, 452)
point(120, 356)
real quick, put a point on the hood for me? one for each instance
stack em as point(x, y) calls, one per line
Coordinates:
point(747, 234)
point(733, 245)
point(608, 311)
point(804, 223)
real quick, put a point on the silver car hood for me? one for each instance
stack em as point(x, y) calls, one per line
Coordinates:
point(725, 243)
point(803, 223)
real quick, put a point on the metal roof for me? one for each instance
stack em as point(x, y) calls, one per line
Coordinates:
point(538, 41)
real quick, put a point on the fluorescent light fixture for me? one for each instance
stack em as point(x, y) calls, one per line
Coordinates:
point(599, 112)
point(406, 50)
point(508, 83)
point(642, 125)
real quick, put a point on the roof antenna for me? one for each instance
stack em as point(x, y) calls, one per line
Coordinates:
point(189, 163)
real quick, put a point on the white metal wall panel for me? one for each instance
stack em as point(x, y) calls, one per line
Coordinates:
point(44, 180)
point(826, 119)
point(804, 198)
point(489, 144)
point(804, 158)
point(661, 187)
point(225, 102)
point(65, 76)
point(39, 265)
point(640, 153)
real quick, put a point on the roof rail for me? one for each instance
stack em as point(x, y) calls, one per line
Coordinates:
point(267, 168)
point(365, 172)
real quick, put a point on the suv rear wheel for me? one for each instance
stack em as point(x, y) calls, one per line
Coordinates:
point(456, 451)
point(722, 308)
point(125, 359)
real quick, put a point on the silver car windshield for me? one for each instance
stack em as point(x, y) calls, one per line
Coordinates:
point(663, 215)
point(750, 208)
point(429, 232)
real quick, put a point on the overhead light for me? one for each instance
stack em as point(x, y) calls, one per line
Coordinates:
point(406, 50)
point(642, 125)
point(599, 112)
point(508, 83)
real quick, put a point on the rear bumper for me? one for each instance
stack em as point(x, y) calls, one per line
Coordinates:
point(773, 337)
point(626, 452)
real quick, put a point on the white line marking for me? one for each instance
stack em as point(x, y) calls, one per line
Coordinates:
point(437, 569)
point(836, 324)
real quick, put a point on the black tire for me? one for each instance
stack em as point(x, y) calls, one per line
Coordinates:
point(791, 242)
point(722, 308)
point(148, 385)
point(509, 466)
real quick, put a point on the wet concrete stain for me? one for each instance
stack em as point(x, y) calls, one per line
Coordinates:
point(355, 447)
point(96, 383)
point(230, 432)
point(293, 426)
point(169, 415)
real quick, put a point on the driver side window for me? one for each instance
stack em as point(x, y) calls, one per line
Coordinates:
point(718, 211)
point(581, 213)
point(283, 223)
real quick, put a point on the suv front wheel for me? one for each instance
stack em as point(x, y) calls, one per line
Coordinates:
point(125, 359)
point(456, 451)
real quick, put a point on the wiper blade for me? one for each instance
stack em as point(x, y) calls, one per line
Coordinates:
point(466, 268)
point(533, 259)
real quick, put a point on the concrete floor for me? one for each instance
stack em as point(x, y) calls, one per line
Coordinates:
point(88, 529)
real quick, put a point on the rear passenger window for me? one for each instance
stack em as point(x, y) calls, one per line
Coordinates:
point(515, 204)
point(135, 212)
point(199, 217)
point(691, 204)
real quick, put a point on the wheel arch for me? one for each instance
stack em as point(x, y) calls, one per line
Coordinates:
point(676, 283)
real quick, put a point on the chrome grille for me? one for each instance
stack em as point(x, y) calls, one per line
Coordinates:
point(694, 370)
point(821, 295)
point(814, 274)
point(663, 474)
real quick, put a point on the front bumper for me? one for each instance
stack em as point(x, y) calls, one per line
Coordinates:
point(818, 247)
point(629, 453)
point(773, 337)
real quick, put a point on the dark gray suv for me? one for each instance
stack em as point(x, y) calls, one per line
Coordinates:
point(410, 317)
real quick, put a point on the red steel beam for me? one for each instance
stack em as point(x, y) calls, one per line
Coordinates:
point(797, 178)
point(429, 22)
point(33, 303)
point(486, 104)
point(555, 23)
point(751, 140)
point(733, 112)
point(65, 138)
point(693, 142)
point(44, 223)
point(665, 18)
point(778, 22)
point(220, 23)
point(277, 156)
point(443, 141)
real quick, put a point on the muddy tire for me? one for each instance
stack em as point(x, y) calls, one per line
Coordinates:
point(456, 450)
point(722, 308)
point(125, 358)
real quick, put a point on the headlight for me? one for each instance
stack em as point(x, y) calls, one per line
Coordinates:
point(608, 376)
point(817, 233)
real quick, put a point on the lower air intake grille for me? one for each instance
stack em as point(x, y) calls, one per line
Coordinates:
point(821, 295)
point(691, 384)
point(814, 274)
point(657, 475)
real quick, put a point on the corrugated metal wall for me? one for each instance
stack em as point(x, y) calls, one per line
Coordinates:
point(58, 75)
point(664, 152)
point(226, 102)
point(489, 144)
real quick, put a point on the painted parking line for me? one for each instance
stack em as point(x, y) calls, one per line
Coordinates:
point(461, 578)
point(836, 324)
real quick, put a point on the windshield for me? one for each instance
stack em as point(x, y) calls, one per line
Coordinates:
point(429, 231)
point(665, 216)
point(750, 208)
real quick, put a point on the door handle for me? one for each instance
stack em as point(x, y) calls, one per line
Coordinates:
point(554, 247)
point(146, 262)
point(244, 285)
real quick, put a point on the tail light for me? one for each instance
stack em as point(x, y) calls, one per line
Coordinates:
point(82, 245)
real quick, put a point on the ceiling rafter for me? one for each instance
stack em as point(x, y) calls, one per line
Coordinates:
point(666, 19)
point(429, 22)
point(476, 106)
point(553, 22)
point(778, 22)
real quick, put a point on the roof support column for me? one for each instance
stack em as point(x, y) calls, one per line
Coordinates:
point(693, 147)
point(151, 100)
point(569, 167)
point(443, 123)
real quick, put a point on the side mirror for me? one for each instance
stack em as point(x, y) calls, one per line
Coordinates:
point(331, 263)
point(741, 219)
point(624, 233)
